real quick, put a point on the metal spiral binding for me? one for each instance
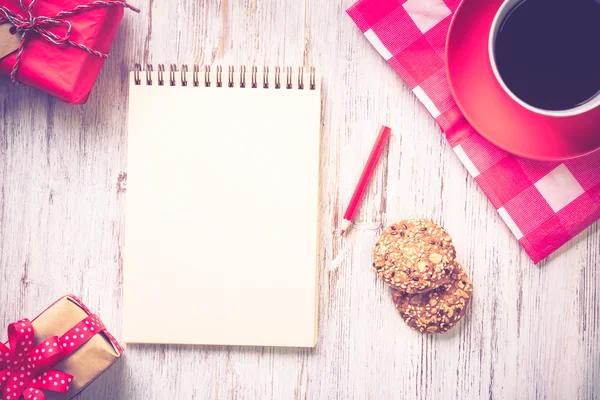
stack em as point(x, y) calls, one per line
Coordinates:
point(254, 73)
point(195, 75)
point(136, 74)
point(277, 78)
point(161, 71)
point(288, 77)
point(313, 78)
point(172, 71)
point(243, 76)
point(149, 74)
point(207, 76)
point(233, 78)
point(266, 78)
point(230, 81)
point(219, 76)
point(184, 70)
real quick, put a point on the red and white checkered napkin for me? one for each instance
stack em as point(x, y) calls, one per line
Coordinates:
point(545, 204)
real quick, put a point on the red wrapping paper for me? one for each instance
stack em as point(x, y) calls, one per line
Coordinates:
point(64, 71)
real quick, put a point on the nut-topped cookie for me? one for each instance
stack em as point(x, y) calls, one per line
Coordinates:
point(414, 255)
point(438, 310)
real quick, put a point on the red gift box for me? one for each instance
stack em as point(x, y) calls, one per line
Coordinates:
point(63, 70)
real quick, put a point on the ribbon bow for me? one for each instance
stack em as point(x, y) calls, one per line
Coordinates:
point(41, 25)
point(26, 370)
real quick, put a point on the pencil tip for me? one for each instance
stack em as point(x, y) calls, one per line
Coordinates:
point(342, 232)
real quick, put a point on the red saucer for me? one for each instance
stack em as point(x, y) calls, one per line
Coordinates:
point(491, 111)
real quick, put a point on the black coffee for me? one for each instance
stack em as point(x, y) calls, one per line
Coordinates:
point(548, 52)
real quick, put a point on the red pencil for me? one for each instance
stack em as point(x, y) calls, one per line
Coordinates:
point(365, 178)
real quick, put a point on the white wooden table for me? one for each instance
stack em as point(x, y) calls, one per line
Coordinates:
point(532, 332)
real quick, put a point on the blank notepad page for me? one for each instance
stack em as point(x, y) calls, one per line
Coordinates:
point(222, 213)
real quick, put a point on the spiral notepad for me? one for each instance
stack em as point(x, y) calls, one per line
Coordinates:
point(222, 206)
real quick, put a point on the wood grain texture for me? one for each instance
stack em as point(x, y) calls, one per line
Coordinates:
point(533, 332)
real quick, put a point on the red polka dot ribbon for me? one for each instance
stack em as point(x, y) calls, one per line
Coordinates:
point(26, 369)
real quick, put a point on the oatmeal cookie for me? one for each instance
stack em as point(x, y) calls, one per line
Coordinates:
point(414, 255)
point(438, 310)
